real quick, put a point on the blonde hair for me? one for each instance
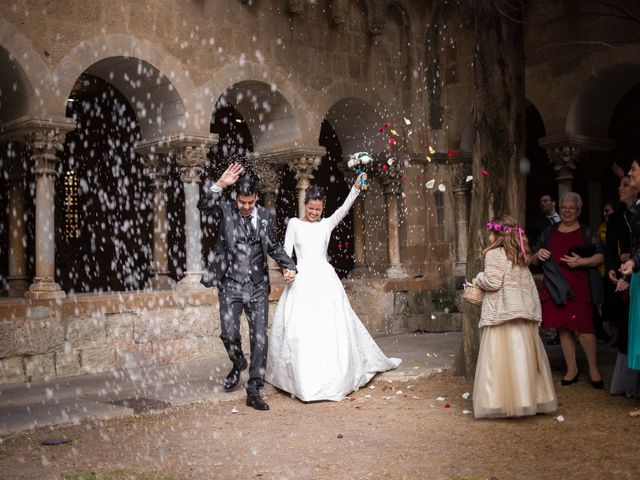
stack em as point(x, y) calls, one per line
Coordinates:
point(511, 237)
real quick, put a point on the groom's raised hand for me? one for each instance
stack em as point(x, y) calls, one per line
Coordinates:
point(230, 175)
point(289, 275)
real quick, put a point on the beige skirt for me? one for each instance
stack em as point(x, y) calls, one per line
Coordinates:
point(513, 378)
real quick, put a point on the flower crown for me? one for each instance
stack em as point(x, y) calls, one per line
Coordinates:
point(497, 227)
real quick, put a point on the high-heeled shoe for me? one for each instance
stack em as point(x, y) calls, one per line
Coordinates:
point(571, 381)
point(597, 384)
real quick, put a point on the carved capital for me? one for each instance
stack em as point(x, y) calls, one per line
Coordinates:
point(43, 147)
point(268, 175)
point(191, 160)
point(157, 168)
point(461, 171)
point(303, 168)
point(564, 159)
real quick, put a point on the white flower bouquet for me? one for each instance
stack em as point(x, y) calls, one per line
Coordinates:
point(360, 162)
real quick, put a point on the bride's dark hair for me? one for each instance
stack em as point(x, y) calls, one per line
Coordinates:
point(314, 192)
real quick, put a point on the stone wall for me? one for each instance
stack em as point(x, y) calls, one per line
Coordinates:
point(87, 334)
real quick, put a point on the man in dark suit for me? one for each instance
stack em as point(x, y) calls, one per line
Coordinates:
point(548, 218)
point(238, 269)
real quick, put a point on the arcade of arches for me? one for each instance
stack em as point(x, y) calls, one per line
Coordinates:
point(111, 119)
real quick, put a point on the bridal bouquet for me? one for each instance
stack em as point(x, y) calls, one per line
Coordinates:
point(360, 162)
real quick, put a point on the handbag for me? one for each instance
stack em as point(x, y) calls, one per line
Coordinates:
point(473, 294)
point(584, 251)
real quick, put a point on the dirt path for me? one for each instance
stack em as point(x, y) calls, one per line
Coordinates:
point(390, 431)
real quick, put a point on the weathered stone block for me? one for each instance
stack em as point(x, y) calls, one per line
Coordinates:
point(86, 332)
point(135, 356)
point(67, 363)
point(12, 370)
point(198, 321)
point(119, 327)
point(40, 367)
point(7, 339)
point(37, 312)
point(37, 337)
point(175, 351)
point(97, 360)
point(158, 325)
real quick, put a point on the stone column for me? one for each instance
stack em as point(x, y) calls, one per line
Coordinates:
point(303, 168)
point(17, 278)
point(269, 183)
point(564, 159)
point(191, 160)
point(391, 193)
point(360, 268)
point(157, 168)
point(44, 146)
point(462, 170)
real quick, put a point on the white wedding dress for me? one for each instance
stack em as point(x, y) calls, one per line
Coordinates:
point(318, 347)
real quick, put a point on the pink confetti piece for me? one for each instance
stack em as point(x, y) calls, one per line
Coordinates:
point(484, 172)
point(392, 141)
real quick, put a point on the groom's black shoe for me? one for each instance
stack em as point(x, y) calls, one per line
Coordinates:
point(255, 400)
point(234, 376)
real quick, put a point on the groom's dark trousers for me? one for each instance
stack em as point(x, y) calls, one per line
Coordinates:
point(254, 300)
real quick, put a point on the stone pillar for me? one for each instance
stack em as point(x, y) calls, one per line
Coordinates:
point(191, 160)
point(360, 268)
point(303, 168)
point(462, 170)
point(564, 159)
point(269, 183)
point(157, 168)
point(44, 146)
point(17, 278)
point(391, 193)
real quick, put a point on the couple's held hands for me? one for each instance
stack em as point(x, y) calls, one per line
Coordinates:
point(289, 275)
point(360, 180)
point(230, 175)
point(620, 283)
point(627, 268)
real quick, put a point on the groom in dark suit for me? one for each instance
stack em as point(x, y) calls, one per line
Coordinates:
point(238, 269)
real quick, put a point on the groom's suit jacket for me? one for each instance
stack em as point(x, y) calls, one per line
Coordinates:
point(226, 221)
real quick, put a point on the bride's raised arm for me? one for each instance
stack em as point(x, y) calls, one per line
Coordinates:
point(341, 212)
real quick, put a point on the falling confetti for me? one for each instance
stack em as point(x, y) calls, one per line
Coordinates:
point(451, 153)
point(392, 141)
point(393, 132)
point(560, 418)
point(442, 187)
point(469, 178)
point(407, 121)
point(446, 405)
point(465, 395)
point(428, 158)
point(484, 172)
point(466, 412)
point(430, 183)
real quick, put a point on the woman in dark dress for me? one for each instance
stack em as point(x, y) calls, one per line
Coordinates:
point(576, 315)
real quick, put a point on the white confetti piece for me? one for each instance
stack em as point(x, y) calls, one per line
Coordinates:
point(442, 187)
point(560, 418)
point(466, 412)
point(432, 151)
point(235, 410)
point(441, 399)
point(430, 183)
point(407, 121)
point(469, 178)
point(465, 395)
point(399, 392)
point(371, 387)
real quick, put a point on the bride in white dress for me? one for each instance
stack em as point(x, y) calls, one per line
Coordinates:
point(318, 347)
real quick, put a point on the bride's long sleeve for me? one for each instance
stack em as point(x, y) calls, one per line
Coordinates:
point(341, 212)
point(289, 238)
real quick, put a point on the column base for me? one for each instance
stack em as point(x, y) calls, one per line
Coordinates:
point(395, 271)
point(44, 288)
point(190, 283)
point(17, 286)
point(161, 281)
point(360, 271)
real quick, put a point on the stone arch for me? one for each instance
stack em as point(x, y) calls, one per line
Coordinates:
point(25, 69)
point(378, 110)
point(292, 111)
point(594, 104)
point(153, 81)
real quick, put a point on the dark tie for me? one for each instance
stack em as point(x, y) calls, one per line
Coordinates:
point(248, 226)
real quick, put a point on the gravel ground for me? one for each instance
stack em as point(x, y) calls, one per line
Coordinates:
point(418, 430)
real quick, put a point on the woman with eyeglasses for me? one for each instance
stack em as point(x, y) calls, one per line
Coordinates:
point(577, 252)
